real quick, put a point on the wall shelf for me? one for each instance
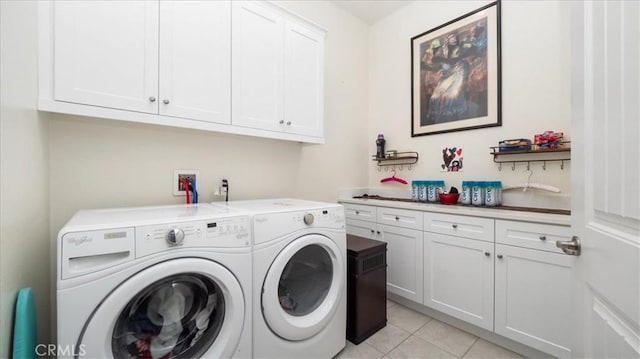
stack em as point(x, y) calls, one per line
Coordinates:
point(531, 153)
point(400, 159)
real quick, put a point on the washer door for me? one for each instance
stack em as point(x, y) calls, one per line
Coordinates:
point(181, 308)
point(302, 288)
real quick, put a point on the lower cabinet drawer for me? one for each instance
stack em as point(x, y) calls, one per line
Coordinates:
point(360, 212)
point(531, 235)
point(400, 218)
point(460, 226)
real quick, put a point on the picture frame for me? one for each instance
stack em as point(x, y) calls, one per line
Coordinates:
point(455, 74)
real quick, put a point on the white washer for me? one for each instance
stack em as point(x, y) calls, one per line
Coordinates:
point(155, 280)
point(299, 278)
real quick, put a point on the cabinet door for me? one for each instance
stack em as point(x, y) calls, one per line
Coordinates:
point(533, 298)
point(458, 275)
point(106, 54)
point(195, 60)
point(362, 228)
point(257, 66)
point(404, 261)
point(303, 80)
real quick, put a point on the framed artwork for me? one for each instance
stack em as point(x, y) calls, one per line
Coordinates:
point(455, 74)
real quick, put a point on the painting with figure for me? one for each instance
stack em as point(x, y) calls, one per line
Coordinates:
point(455, 70)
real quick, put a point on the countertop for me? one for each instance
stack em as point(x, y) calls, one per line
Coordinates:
point(559, 217)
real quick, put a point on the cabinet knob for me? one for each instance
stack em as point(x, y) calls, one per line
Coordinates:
point(357, 212)
point(372, 231)
point(378, 232)
point(397, 218)
point(454, 226)
point(499, 256)
point(288, 123)
point(165, 101)
point(281, 122)
point(152, 99)
point(487, 254)
point(543, 238)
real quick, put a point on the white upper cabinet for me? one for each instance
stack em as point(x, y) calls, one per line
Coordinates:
point(258, 71)
point(278, 71)
point(195, 60)
point(106, 54)
point(249, 68)
point(304, 80)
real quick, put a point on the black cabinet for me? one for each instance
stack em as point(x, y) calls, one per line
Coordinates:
point(366, 287)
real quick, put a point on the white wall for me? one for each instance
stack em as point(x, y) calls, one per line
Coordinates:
point(24, 228)
point(535, 93)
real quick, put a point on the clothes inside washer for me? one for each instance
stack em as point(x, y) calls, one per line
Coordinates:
point(168, 319)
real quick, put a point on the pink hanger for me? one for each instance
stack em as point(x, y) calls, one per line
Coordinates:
point(393, 178)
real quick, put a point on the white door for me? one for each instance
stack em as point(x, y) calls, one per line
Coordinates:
point(404, 261)
point(303, 287)
point(195, 60)
point(532, 298)
point(258, 68)
point(106, 54)
point(605, 178)
point(458, 278)
point(186, 307)
point(303, 80)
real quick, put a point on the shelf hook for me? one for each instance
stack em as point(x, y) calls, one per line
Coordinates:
point(500, 166)
point(544, 165)
point(513, 166)
point(379, 168)
point(562, 165)
point(386, 169)
point(409, 167)
point(401, 166)
point(528, 165)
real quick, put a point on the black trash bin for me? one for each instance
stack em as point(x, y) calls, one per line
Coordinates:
point(366, 287)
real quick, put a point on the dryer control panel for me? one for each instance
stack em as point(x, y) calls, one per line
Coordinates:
point(270, 226)
point(232, 232)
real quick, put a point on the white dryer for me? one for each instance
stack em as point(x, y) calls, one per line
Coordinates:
point(299, 278)
point(156, 282)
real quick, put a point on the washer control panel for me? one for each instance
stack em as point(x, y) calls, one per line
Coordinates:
point(234, 232)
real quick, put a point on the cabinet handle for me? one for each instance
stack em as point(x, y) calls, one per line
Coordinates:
point(454, 226)
point(487, 254)
point(165, 101)
point(288, 123)
point(378, 232)
point(372, 231)
point(357, 212)
point(397, 218)
point(152, 99)
point(499, 256)
point(543, 238)
point(281, 122)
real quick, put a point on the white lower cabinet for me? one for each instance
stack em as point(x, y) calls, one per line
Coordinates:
point(504, 276)
point(404, 261)
point(458, 278)
point(533, 291)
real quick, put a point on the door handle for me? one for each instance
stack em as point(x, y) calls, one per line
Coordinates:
point(571, 247)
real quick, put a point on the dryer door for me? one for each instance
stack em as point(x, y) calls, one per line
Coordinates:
point(303, 286)
point(181, 308)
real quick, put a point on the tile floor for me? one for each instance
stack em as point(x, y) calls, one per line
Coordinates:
point(410, 334)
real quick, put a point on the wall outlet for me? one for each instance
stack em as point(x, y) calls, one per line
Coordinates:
point(178, 189)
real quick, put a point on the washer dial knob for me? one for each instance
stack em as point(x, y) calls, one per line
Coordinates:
point(175, 236)
point(308, 218)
